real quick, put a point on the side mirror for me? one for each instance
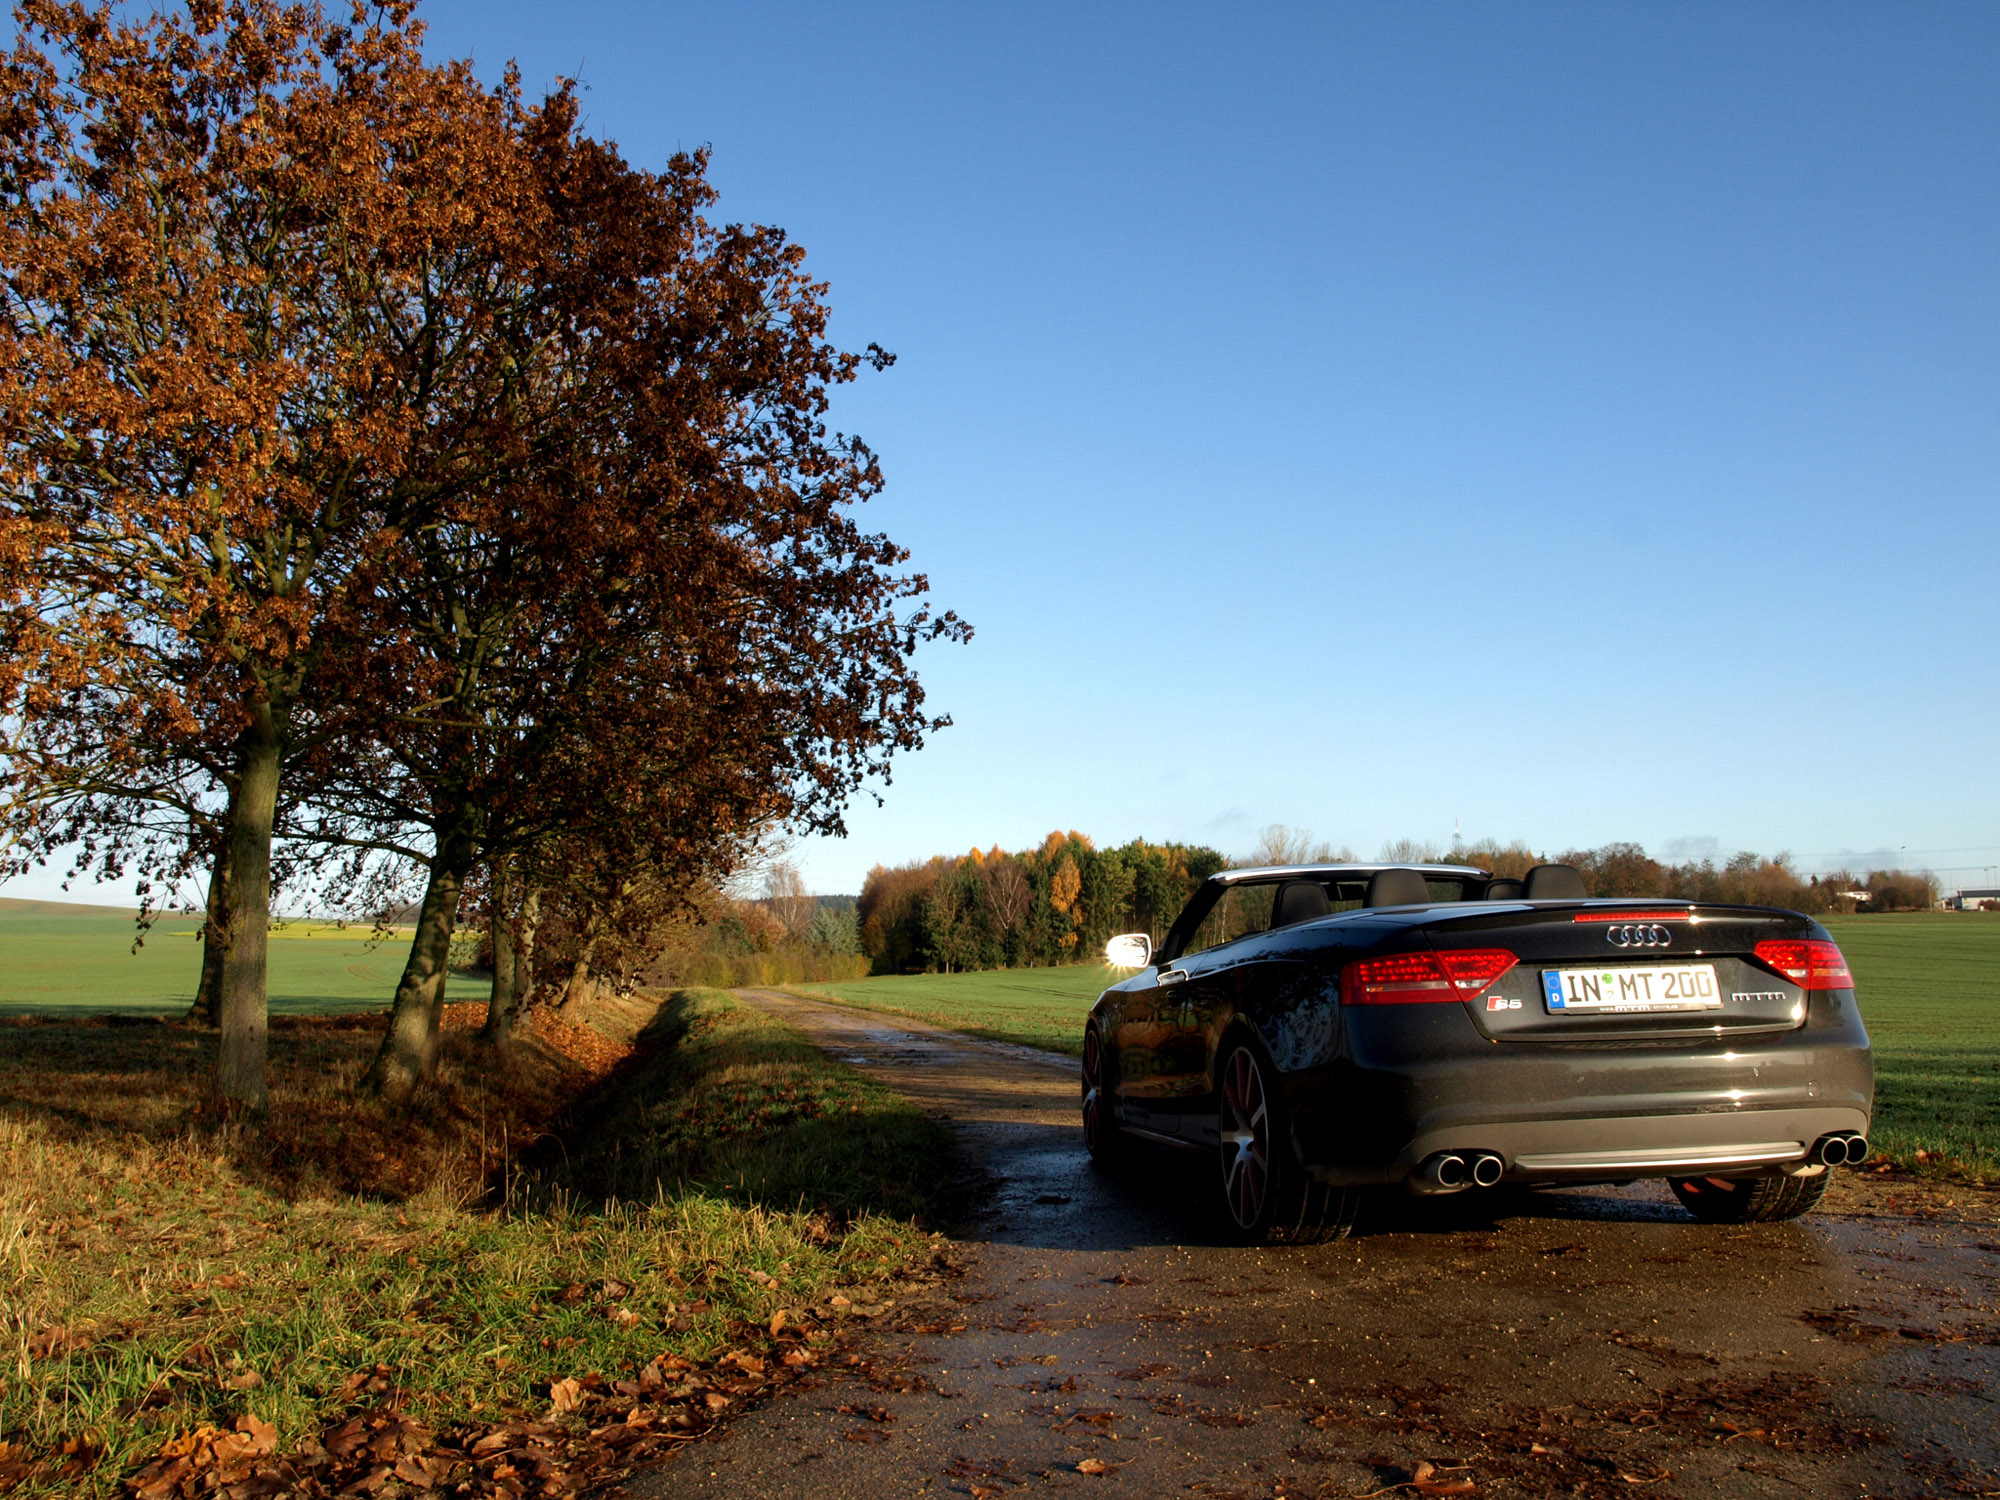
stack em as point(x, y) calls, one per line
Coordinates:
point(1131, 950)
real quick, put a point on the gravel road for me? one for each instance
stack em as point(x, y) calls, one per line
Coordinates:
point(1589, 1341)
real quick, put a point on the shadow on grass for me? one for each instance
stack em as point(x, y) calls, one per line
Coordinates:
point(729, 1102)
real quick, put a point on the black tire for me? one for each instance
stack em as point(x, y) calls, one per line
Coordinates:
point(1750, 1200)
point(1265, 1194)
point(1105, 1142)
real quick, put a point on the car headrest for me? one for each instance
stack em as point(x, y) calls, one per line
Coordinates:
point(1554, 883)
point(1397, 888)
point(1299, 901)
point(1503, 890)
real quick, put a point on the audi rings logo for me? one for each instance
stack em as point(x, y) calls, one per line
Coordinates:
point(1639, 935)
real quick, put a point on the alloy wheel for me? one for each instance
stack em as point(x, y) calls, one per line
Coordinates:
point(1246, 1140)
point(1093, 1092)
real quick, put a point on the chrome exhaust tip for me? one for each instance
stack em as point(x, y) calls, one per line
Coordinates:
point(1446, 1171)
point(1832, 1150)
point(1486, 1169)
point(1857, 1150)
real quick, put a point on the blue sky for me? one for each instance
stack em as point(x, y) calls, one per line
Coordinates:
point(1579, 422)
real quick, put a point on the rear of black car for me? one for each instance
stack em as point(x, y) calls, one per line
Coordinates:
point(1588, 1042)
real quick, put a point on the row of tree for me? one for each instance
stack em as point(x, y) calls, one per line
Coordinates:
point(1744, 879)
point(1054, 904)
point(1059, 902)
point(394, 479)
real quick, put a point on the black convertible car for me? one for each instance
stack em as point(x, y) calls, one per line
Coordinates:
point(1322, 1029)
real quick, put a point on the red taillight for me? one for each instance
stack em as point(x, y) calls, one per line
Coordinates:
point(1809, 962)
point(1473, 969)
point(1418, 978)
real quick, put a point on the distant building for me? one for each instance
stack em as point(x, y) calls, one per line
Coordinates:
point(1974, 901)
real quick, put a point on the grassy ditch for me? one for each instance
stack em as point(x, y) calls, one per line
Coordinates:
point(736, 1105)
point(189, 1300)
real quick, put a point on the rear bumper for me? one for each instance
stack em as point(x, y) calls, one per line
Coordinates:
point(1619, 1147)
point(1422, 1084)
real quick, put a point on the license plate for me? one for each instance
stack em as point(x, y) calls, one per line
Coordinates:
point(1633, 989)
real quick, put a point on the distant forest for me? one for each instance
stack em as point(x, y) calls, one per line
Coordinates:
point(1057, 903)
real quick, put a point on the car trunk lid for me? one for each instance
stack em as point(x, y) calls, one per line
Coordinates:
point(1605, 972)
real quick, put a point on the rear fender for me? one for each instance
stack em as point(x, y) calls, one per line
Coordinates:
point(1293, 1006)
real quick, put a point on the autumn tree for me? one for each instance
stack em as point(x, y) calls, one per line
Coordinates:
point(249, 307)
point(660, 629)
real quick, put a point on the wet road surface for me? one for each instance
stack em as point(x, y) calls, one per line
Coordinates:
point(1589, 1341)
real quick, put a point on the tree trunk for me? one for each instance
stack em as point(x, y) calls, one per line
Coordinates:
point(505, 1000)
point(579, 976)
point(524, 955)
point(207, 1007)
point(409, 1052)
point(239, 1072)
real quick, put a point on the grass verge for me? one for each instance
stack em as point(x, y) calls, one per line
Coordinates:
point(292, 1308)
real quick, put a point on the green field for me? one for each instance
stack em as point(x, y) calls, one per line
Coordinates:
point(1040, 1007)
point(1929, 985)
point(64, 960)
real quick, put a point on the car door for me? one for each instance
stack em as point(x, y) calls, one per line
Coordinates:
point(1134, 1035)
point(1191, 1010)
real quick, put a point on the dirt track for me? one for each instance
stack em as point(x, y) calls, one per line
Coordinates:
point(1588, 1341)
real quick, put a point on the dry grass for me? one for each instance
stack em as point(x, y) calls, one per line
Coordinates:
point(158, 1273)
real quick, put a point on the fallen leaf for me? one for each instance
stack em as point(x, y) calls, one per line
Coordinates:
point(1097, 1466)
point(186, 1444)
point(1425, 1484)
point(565, 1394)
point(777, 1321)
point(263, 1435)
point(249, 1380)
point(413, 1470)
point(160, 1479)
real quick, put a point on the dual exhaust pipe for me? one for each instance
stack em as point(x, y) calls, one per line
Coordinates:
point(1454, 1171)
